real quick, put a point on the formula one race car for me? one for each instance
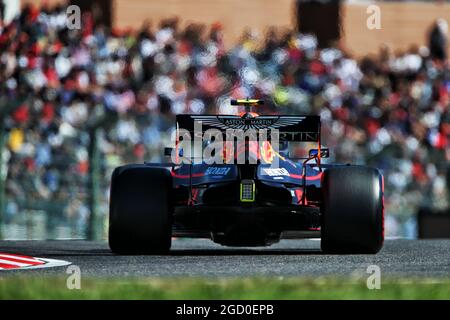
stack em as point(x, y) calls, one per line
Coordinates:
point(253, 194)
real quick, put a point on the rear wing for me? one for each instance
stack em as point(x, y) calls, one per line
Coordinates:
point(291, 128)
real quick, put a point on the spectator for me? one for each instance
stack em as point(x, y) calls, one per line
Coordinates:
point(438, 40)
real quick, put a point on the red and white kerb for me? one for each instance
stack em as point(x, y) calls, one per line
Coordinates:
point(9, 261)
point(13, 261)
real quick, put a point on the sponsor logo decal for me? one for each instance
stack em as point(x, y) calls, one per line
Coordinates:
point(217, 171)
point(260, 122)
point(10, 261)
point(274, 172)
point(267, 152)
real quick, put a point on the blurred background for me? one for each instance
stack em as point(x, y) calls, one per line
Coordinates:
point(74, 104)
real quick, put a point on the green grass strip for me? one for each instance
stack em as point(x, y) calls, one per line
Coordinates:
point(27, 287)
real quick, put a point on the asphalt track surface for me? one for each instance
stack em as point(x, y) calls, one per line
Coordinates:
point(189, 257)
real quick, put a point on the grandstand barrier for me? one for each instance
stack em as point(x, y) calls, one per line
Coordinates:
point(433, 223)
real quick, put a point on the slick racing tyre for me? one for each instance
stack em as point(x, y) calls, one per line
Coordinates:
point(139, 210)
point(352, 210)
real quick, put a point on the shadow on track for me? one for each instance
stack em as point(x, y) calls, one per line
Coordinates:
point(58, 249)
point(242, 252)
point(188, 253)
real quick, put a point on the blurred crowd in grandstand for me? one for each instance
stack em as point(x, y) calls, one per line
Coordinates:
point(389, 110)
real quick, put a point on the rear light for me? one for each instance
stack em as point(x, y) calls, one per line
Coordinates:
point(247, 193)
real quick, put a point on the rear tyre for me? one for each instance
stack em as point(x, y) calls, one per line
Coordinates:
point(352, 210)
point(139, 210)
